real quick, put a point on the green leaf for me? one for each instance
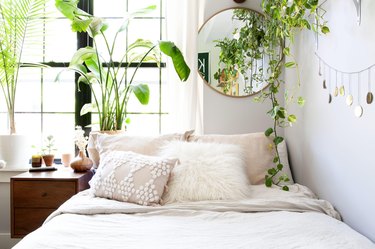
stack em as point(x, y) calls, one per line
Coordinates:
point(278, 140)
point(313, 2)
point(292, 118)
point(96, 26)
point(268, 182)
point(83, 54)
point(130, 16)
point(171, 50)
point(285, 188)
point(290, 64)
point(280, 166)
point(67, 7)
point(306, 24)
point(142, 92)
point(325, 30)
point(271, 171)
point(275, 159)
point(301, 101)
point(268, 132)
point(286, 51)
point(79, 25)
point(86, 108)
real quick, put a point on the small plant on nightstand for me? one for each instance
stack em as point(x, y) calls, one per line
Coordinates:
point(49, 150)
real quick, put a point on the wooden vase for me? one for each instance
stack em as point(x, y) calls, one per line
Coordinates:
point(81, 162)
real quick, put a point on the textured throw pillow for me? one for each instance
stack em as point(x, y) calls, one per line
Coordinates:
point(258, 155)
point(207, 171)
point(131, 177)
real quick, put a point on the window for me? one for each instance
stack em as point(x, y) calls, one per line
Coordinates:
point(46, 107)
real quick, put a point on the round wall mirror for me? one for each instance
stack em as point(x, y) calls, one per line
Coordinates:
point(230, 52)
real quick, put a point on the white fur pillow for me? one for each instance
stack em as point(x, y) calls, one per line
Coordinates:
point(207, 171)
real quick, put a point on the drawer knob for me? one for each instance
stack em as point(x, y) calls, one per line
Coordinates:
point(44, 194)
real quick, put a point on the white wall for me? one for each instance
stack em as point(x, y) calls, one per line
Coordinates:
point(331, 150)
point(228, 115)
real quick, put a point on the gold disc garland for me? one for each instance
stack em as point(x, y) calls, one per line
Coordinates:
point(342, 77)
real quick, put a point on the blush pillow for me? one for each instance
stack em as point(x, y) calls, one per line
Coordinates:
point(258, 153)
point(206, 171)
point(100, 143)
point(132, 177)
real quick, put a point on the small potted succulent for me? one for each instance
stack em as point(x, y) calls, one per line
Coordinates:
point(49, 150)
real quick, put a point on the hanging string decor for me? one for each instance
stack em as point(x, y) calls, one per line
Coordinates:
point(342, 77)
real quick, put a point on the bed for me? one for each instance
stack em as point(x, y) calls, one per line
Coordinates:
point(207, 198)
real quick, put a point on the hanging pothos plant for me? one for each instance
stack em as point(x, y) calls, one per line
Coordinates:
point(260, 50)
point(273, 38)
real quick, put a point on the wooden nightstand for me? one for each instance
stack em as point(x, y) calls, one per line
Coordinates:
point(36, 195)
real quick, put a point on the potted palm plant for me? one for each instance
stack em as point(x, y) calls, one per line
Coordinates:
point(114, 81)
point(19, 22)
point(49, 150)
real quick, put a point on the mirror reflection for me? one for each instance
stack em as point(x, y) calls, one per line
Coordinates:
point(230, 52)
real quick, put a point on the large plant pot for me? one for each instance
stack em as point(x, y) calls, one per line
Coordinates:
point(15, 150)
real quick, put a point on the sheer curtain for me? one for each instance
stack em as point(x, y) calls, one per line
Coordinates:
point(182, 20)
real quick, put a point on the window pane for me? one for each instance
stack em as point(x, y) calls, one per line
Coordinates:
point(60, 41)
point(30, 124)
point(136, 5)
point(144, 124)
point(110, 8)
point(149, 76)
point(62, 127)
point(148, 29)
point(58, 96)
point(28, 96)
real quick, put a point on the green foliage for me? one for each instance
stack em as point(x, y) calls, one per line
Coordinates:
point(20, 22)
point(49, 146)
point(241, 54)
point(111, 84)
point(282, 19)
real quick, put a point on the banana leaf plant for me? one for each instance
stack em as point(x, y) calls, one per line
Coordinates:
point(19, 24)
point(115, 80)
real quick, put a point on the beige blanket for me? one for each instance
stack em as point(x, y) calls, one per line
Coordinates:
point(268, 218)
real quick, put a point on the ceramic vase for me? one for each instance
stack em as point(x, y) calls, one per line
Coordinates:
point(81, 162)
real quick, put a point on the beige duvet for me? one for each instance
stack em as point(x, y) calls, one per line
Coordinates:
point(268, 218)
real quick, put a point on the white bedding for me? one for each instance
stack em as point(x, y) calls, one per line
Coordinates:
point(268, 218)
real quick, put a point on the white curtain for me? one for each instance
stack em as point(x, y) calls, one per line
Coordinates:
point(182, 23)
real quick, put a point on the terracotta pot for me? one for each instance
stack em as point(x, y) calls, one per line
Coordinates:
point(48, 159)
point(81, 162)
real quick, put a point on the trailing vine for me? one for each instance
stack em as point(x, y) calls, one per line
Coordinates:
point(283, 18)
point(265, 40)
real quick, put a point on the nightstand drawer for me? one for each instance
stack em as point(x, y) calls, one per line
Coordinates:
point(46, 194)
point(27, 220)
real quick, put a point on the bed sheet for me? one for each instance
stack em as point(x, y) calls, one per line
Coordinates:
point(268, 218)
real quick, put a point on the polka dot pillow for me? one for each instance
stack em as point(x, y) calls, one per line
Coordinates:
point(131, 177)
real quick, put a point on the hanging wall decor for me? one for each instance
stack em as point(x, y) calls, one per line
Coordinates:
point(340, 84)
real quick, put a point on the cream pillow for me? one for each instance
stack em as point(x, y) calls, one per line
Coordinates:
point(207, 171)
point(258, 154)
point(100, 143)
point(131, 177)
